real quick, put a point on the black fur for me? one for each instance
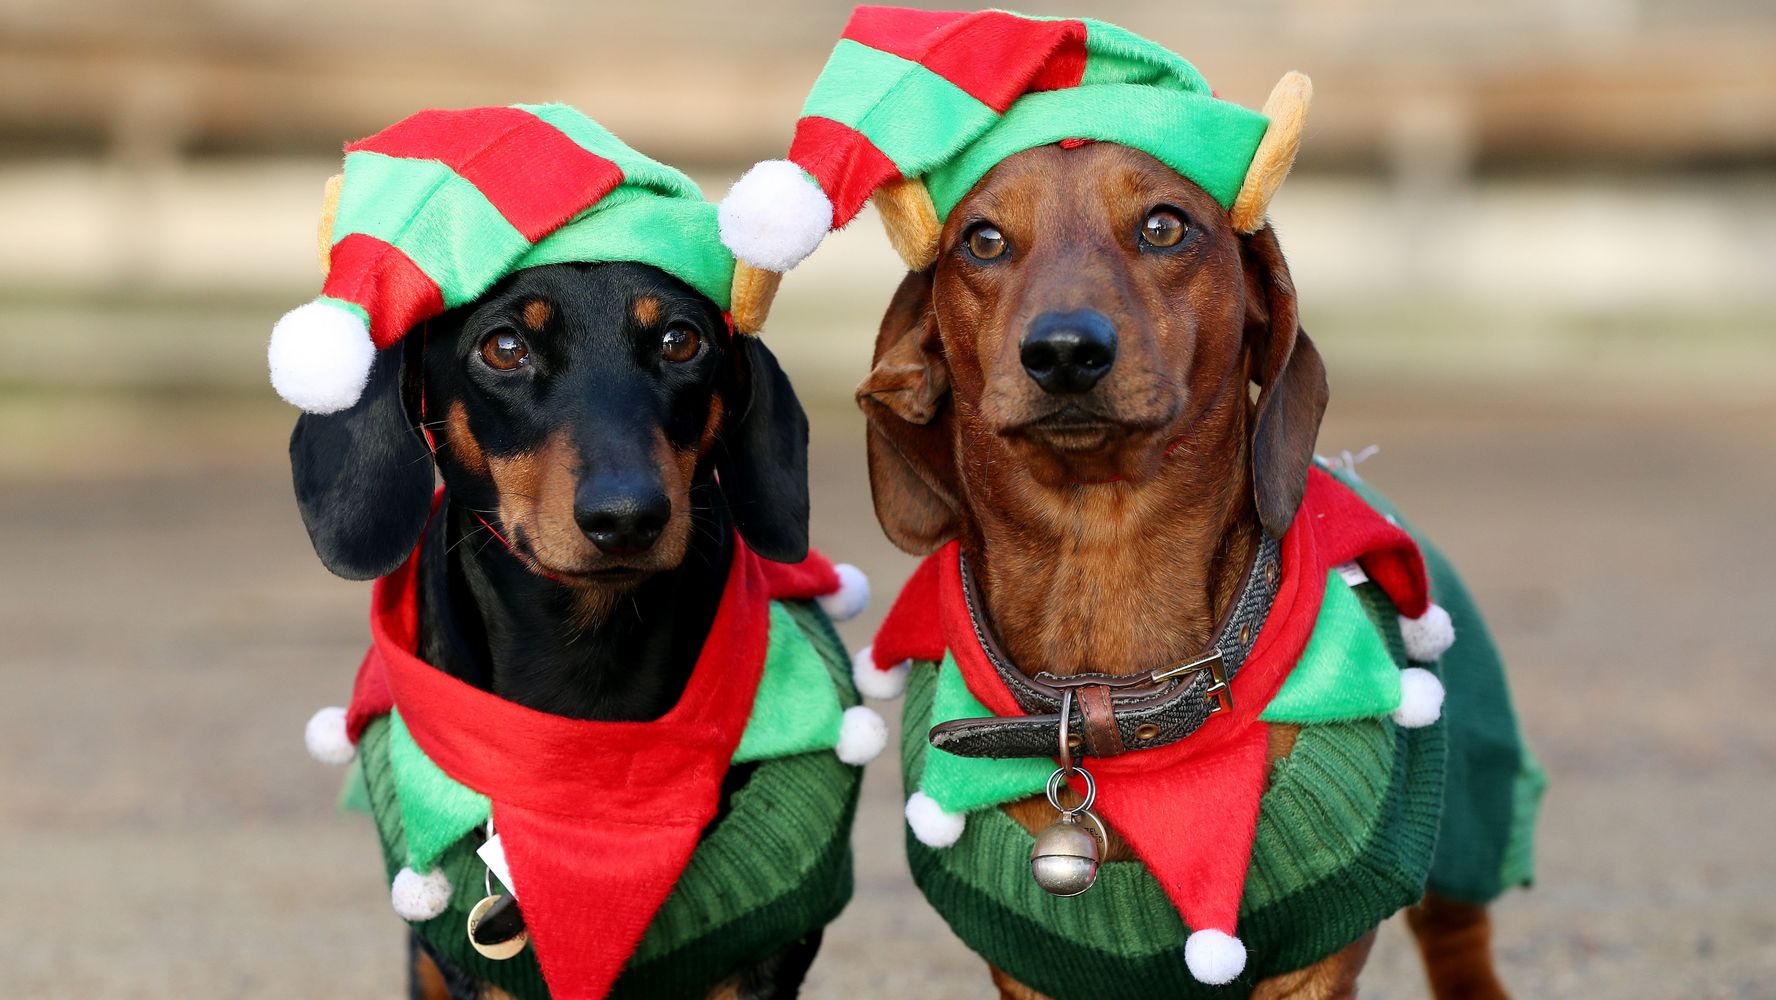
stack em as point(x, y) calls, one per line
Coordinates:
point(363, 478)
point(364, 481)
point(769, 500)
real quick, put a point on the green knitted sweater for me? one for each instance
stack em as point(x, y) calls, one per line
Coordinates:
point(1358, 821)
point(772, 869)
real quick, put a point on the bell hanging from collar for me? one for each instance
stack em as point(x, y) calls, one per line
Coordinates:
point(1065, 857)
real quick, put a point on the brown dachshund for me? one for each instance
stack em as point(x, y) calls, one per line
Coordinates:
point(1104, 392)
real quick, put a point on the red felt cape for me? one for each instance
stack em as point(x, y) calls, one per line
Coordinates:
point(1188, 810)
point(598, 819)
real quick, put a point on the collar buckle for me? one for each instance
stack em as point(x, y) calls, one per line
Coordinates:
point(1220, 696)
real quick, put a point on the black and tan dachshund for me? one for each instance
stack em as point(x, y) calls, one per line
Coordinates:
point(586, 411)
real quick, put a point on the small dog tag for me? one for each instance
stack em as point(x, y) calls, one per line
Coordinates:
point(496, 927)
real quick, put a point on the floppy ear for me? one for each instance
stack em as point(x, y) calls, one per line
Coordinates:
point(762, 459)
point(1292, 384)
point(363, 478)
point(906, 400)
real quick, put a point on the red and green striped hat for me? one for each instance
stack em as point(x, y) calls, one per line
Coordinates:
point(940, 98)
point(435, 209)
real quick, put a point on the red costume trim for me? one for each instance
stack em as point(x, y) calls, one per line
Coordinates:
point(530, 170)
point(1188, 810)
point(993, 56)
point(598, 819)
point(382, 280)
point(843, 161)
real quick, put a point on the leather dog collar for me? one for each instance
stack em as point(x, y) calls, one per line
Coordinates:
point(1111, 714)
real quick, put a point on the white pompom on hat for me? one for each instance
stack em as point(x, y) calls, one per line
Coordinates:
point(320, 357)
point(774, 216)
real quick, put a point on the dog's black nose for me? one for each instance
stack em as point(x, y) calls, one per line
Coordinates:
point(1068, 352)
point(622, 519)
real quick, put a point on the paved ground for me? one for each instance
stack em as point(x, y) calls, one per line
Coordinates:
point(166, 632)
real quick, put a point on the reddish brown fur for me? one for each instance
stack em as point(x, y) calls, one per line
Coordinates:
point(1455, 941)
point(1078, 572)
point(1331, 978)
point(428, 980)
point(1068, 547)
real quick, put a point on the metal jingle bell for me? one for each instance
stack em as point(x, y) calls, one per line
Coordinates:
point(496, 927)
point(1064, 859)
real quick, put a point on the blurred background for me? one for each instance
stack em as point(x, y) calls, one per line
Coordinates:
point(1536, 243)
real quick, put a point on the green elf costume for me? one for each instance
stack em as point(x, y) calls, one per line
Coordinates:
point(1234, 883)
point(606, 833)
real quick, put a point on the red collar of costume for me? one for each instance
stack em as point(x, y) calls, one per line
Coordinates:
point(598, 819)
point(1188, 810)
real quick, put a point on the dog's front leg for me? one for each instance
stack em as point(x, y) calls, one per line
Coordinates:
point(1011, 989)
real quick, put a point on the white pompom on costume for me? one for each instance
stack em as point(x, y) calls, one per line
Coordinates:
point(862, 736)
point(874, 682)
point(851, 598)
point(1421, 698)
point(931, 823)
point(774, 216)
point(1214, 957)
point(320, 357)
point(326, 737)
point(1428, 636)
point(420, 897)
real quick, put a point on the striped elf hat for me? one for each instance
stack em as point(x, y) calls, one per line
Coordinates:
point(431, 212)
point(914, 107)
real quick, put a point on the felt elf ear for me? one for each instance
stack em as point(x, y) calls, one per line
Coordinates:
point(1287, 110)
point(913, 227)
point(772, 219)
point(324, 233)
point(911, 221)
point(750, 299)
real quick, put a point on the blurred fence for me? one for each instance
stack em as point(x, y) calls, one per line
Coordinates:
point(1488, 189)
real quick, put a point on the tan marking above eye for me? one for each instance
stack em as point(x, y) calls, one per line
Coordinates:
point(680, 343)
point(536, 314)
point(504, 350)
point(646, 310)
point(986, 242)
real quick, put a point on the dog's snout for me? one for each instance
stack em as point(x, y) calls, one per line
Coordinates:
point(623, 517)
point(1068, 352)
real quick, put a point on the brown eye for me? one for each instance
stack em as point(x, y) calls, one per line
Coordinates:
point(986, 242)
point(1163, 228)
point(504, 351)
point(679, 344)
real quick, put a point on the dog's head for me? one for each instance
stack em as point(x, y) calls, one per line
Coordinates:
point(582, 411)
point(1088, 307)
